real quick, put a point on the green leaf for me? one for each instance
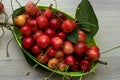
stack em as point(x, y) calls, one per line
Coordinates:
point(87, 18)
point(18, 12)
point(73, 36)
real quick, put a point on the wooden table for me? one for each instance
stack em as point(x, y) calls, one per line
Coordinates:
point(108, 12)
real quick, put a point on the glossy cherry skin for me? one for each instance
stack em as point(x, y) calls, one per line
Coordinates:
point(37, 34)
point(43, 59)
point(52, 52)
point(56, 42)
point(81, 36)
point(62, 35)
point(36, 50)
point(85, 65)
point(27, 43)
point(43, 41)
point(48, 13)
point(70, 60)
point(68, 48)
point(42, 22)
point(67, 26)
point(50, 32)
point(26, 30)
point(55, 24)
point(80, 48)
point(93, 53)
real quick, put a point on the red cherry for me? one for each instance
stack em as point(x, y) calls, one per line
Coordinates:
point(93, 53)
point(53, 63)
point(94, 48)
point(70, 60)
point(26, 30)
point(59, 54)
point(43, 41)
point(36, 50)
point(51, 52)
point(62, 35)
point(56, 42)
point(68, 47)
point(50, 32)
point(37, 34)
point(55, 24)
point(38, 13)
point(67, 26)
point(75, 67)
point(33, 25)
point(81, 36)
point(28, 43)
point(42, 22)
point(80, 48)
point(61, 15)
point(62, 66)
point(43, 59)
point(48, 13)
point(31, 8)
point(85, 65)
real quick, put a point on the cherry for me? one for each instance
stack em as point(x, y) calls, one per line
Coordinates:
point(33, 24)
point(36, 50)
point(1, 7)
point(27, 17)
point(43, 59)
point(42, 22)
point(52, 52)
point(70, 60)
point(62, 35)
point(81, 36)
point(94, 48)
point(27, 43)
point(59, 54)
point(53, 63)
point(43, 41)
point(38, 13)
point(80, 48)
point(85, 65)
point(67, 26)
point(68, 47)
point(56, 42)
point(61, 15)
point(55, 24)
point(26, 30)
point(93, 53)
point(48, 13)
point(31, 8)
point(37, 34)
point(20, 20)
point(50, 32)
point(62, 66)
point(75, 67)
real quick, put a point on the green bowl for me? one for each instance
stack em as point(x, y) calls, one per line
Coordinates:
point(32, 60)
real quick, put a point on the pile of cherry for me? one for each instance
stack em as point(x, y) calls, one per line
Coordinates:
point(44, 36)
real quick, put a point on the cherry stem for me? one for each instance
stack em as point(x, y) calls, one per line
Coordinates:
point(101, 62)
point(8, 47)
point(18, 3)
point(55, 7)
point(65, 71)
point(3, 32)
point(37, 2)
point(11, 1)
point(28, 73)
point(50, 7)
point(110, 49)
point(59, 18)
